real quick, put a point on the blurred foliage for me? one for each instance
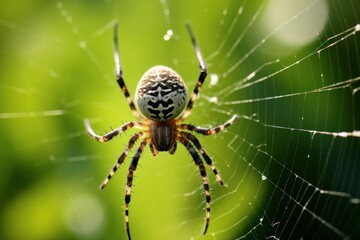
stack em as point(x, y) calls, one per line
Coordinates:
point(57, 69)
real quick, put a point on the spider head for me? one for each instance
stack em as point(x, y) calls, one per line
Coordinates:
point(161, 94)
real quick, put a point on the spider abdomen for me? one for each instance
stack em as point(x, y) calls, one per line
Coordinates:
point(161, 94)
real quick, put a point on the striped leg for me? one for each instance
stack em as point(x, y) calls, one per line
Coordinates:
point(153, 150)
point(204, 178)
point(114, 133)
point(119, 73)
point(202, 76)
point(120, 160)
point(201, 149)
point(130, 176)
point(209, 131)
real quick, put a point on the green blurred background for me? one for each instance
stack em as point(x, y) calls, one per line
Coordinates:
point(57, 69)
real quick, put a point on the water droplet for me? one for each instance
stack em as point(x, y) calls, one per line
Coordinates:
point(213, 100)
point(60, 5)
point(169, 33)
point(63, 13)
point(250, 76)
point(68, 19)
point(82, 44)
point(214, 79)
point(357, 28)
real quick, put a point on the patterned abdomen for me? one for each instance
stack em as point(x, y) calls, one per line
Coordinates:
point(161, 94)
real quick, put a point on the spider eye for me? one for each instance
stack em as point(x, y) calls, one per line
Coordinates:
point(161, 94)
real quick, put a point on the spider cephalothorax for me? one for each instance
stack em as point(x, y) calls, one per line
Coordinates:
point(161, 97)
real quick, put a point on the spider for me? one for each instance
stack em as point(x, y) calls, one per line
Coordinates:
point(161, 97)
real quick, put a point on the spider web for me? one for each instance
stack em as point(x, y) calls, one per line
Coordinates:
point(290, 70)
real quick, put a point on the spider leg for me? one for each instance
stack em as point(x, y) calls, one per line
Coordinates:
point(120, 160)
point(152, 149)
point(110, 135)
point(173, 148)
point(206, 157)
point(119, 73)
point(209, 131)
point(204, 178)
point(130, 176)
point(202, 76)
